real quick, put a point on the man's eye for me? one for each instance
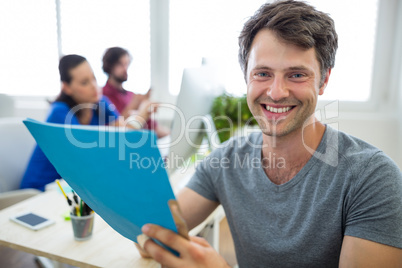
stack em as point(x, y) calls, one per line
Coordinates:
point(297, 75)
point(262, 74)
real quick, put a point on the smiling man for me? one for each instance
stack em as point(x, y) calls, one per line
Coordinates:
point(336, 201)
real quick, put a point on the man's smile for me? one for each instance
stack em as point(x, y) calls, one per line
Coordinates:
point(276, 112)
point(277, 109)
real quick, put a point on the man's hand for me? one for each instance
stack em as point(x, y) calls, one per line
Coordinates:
point(146, 109)
point(195, 252)
point(143, 97)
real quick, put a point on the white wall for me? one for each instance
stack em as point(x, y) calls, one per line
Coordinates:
point(383, 133)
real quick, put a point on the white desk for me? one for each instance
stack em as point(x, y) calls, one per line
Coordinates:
point(106, 248)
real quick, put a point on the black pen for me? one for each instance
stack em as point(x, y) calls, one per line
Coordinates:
point(75, 197)
point(87, 209)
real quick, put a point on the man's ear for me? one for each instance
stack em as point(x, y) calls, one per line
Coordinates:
point(325, 83)
point(65, 87)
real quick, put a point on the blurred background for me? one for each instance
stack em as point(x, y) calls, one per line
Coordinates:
point(363, 98)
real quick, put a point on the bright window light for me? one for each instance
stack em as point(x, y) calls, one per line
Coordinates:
point(355, 24)
point(210, 29)
point(90, 27)
point(198, 29)
point(28, 48)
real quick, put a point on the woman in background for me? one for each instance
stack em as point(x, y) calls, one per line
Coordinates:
point(79, 103)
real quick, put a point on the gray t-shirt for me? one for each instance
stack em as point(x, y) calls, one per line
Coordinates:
point(348, 187)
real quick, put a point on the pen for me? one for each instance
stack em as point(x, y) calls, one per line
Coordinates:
point(61, 188)
point(75, 197)
point(81, 211)
point(87, 209)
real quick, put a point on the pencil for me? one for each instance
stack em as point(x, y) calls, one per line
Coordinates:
point(61, 188)
point(77, 211)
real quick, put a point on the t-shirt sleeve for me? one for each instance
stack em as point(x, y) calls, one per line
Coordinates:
point(374, 210)
point(60, 114)
point(111, 113)
point(202, 182)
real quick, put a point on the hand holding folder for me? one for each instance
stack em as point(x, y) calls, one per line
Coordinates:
point(180, 224)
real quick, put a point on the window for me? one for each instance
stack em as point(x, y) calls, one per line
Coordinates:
point(29, 48)
point(90, 27)
point(210, 28)
point(355, 24)
point(198, 29)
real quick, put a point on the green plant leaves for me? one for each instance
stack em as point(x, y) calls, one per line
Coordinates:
point(230, 113)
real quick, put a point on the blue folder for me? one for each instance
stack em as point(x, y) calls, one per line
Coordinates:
point(119, 174)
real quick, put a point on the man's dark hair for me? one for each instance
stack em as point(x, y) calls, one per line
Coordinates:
point(295, 23)
point(67, 63)
point(111, 57)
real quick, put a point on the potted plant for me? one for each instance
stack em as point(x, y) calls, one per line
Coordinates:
point(231, 113)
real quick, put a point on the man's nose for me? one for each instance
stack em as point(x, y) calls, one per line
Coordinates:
point(278, 90)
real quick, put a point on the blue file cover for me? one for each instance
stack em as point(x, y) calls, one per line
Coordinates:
point(120, 174)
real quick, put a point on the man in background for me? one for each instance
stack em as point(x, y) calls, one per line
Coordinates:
point(116, 61)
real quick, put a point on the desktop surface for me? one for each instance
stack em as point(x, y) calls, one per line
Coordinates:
point(106, 248)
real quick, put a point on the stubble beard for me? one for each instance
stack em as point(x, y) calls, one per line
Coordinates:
point(121, 79)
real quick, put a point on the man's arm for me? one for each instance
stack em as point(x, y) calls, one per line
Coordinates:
point(134, 104)
point(357, 252)
point(194, 207)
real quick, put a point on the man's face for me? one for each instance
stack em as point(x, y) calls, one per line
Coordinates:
point(119, 70)
point(282, 84)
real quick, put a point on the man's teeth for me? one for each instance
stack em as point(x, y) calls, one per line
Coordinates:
point(277, 110)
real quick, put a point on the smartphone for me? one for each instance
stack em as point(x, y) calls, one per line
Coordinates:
point(32, 221)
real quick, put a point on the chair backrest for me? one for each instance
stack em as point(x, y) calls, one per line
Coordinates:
point(7, 107)
point(16, 146)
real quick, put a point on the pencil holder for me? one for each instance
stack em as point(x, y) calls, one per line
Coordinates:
point(82, 226)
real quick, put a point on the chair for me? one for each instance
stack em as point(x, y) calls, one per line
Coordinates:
point(16, 146)
point(7, 106)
